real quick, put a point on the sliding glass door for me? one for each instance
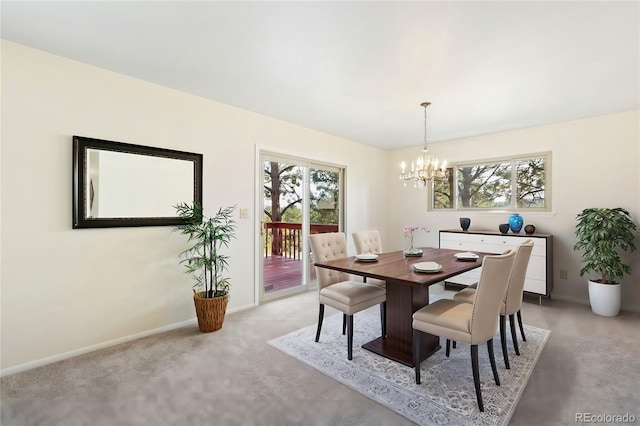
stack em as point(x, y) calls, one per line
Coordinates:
point(299, 197)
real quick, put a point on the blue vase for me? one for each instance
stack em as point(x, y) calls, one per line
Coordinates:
point(515, 223)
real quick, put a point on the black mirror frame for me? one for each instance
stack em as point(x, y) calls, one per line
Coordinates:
point(80, 146)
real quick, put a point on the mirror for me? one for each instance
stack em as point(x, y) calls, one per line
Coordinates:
point(119, 184)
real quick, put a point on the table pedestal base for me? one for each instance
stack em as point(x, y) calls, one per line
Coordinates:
point(402, 301)
point(399, 352)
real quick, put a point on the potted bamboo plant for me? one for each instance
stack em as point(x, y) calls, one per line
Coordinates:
point(205, 260)
point(601, 234)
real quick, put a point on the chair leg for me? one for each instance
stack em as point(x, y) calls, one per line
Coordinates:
point(454, 344)
point(344, 324)
point(350, 336)
point(492, 359)
point(416, 354)
point(512, 325)
point(524, 339)
point(320, 318)
point(446, 353)
point(503, 341)
point(476, 375)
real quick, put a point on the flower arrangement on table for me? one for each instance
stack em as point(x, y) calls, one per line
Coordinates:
point(408, 233)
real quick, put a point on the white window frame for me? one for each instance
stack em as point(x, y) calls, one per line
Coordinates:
point(453, 168)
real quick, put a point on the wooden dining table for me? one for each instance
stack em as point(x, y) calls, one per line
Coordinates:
point(407, 291)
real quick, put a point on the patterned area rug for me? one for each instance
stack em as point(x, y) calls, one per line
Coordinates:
point(446, 395)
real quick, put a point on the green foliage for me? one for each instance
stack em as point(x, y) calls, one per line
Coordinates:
point(517, 183)
point(530, 182)
point(204, 259)
point(485, 186)
point(283, 194)
point(601, 233)
point(324, 197)
point(282, 186)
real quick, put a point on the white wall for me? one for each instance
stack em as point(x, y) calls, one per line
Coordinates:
point(65, 291)
point(595, 164)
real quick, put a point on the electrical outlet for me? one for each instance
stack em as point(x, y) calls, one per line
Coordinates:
point(563, 274)
point(244, 213)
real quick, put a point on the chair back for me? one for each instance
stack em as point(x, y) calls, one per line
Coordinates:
point(492, 286)
point(328, 246)
point(367, 242)
point(513, 297)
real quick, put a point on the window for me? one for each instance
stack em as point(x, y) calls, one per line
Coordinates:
point(503, 184)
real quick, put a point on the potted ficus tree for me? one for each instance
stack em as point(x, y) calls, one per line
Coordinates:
point(205, 260)
point(601, 234)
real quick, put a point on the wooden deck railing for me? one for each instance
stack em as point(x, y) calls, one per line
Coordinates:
point(285, 239)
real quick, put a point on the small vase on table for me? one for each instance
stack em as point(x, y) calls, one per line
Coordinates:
point(412, 250)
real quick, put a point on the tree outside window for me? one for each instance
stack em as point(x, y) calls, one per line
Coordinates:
point(283, 194)
point(518, 183)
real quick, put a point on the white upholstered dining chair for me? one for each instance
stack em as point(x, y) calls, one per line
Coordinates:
point(471, 323)
point(337, 290)
point(368, 242)
point(512, 299)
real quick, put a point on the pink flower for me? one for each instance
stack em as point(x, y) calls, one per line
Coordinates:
point(409, 230)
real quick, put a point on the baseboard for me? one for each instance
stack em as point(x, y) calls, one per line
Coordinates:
point(85, 350)
point(570, 299)
point(241, 308)
point(586, 302)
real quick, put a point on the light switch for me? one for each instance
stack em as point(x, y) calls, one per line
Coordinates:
point(244, 213)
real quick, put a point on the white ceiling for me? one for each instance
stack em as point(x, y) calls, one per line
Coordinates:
point(360, 70)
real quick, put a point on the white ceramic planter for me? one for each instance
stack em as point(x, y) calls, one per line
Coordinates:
point(604, 298)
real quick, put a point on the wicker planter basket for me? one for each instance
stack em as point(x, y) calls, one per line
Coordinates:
point(210, 312)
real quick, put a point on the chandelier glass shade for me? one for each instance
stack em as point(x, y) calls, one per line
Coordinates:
point(425, 168)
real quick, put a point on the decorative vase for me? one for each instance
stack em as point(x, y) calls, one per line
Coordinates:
point(515, 223)
point(412, 251)
point(530, 229)
point(465, 222)
point(604, 298)
point(210, 311)
point(503, 227)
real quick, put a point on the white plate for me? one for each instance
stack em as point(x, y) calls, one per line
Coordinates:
point(427, 267)
point(367, 257)
point(466, 256)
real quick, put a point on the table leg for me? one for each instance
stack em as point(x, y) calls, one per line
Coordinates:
point(402, 301)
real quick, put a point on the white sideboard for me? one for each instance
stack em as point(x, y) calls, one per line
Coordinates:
point(539, 279)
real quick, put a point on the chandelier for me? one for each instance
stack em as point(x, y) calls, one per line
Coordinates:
point(425, 168)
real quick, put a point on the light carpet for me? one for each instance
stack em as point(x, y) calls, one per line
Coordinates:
point(446, 395)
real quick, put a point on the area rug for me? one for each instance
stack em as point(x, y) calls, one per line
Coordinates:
point(446, 395)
